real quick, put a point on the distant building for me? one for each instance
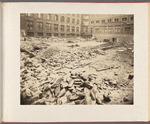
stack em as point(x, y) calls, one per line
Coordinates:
point(109, 27)
point(47, 25)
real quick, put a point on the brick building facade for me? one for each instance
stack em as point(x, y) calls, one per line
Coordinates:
point(102, 27)
point(47, 25)
point(112, 27)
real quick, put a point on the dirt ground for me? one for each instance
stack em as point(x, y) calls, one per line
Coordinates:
point(111, 64)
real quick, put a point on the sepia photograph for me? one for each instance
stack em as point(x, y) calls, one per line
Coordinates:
point(76, 59)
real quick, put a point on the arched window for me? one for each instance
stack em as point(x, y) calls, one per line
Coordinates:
point(73, 21)
point(68, 20)
point(56, 18)
point(62, 19)
point(48, 16)
point(39, 16)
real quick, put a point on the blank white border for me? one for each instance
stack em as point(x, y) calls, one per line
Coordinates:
point(14, 112)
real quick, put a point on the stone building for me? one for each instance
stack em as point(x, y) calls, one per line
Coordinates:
point(108, 27)
point(48, 24)
point(103, 27)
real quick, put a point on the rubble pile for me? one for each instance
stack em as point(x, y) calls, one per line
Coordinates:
point(40, 86)
point(54, 39)
point(51, 76)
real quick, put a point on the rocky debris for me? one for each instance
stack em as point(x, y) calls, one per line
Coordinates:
point(42, 81)
point(130, 77)
point(72, 88)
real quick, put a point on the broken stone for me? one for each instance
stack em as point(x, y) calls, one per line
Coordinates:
point(57, 90)
point(130, 77)
point(106, 98)
point(63, 99)
point(70, 83)
point(62, 92)
point(74, 97)
point(59, 102)
point(125, 99)
point(92, 95)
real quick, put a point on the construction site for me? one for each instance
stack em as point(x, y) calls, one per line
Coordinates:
point(80, 69)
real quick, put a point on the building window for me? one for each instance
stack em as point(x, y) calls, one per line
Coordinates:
point(39, 16)
point(73, 35)
point(30, 14)
point(124, 19)
point(86, 30)
point(30, 25)
point(103, 21)
point(97, 29)
point(55, 34)
point(86, 17)
point(73, 29)
point(68, 20)
point(40, 34)
point(97, 21)
point(77, 29)
point(77, 35)
point(117, 28)
point(48, 16)
point(62, 19)
point(110, 28)
point(39, 26)
point(55, 27)
point(78, 21)
point(48, 26)
point(62, 28)
point(116, 20)
point(91, 30)
point(68, 28)
point(127, 29)
point(62, 35)
point(109, 20)
point(30, 33)
point(49, 34)
point(68, 35)
point(73, 21)
point(92, 22)
point(131, 18)
point(56, 17)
